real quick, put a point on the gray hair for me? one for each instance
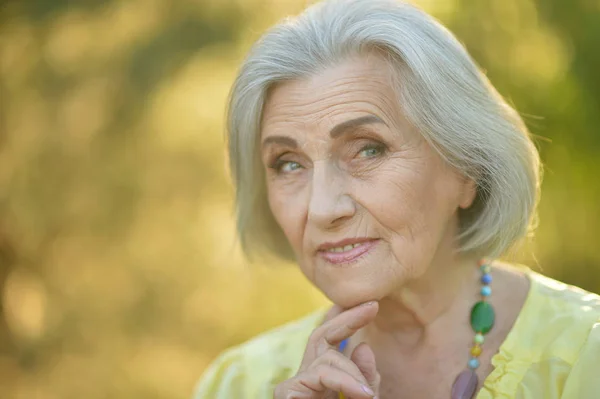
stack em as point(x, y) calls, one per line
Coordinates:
point(442, 93)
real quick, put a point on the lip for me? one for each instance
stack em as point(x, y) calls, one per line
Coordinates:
point(347, 256)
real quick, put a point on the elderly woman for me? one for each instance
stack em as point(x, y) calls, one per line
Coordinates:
point(366, 145)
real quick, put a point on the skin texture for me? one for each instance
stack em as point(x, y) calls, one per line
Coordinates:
point(379, 180)
point(324, 371)
point(331, 189)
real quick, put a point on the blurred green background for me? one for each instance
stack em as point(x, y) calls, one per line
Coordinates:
point(120, 276)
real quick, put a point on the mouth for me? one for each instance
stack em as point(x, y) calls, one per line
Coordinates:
point(346, 251)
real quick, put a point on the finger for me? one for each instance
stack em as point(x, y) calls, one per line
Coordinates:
point(340, 327)
point(333, 358)
point(346, 324)
point(364, 359)
point(323, 378)
point(332, 312)
point(333, 331)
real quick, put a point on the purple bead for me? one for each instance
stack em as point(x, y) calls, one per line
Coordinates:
point(465, 385)
point(486, 278)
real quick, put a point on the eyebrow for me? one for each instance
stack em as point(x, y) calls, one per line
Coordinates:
point(337, 131)
point(283, 140)
point(354, 123)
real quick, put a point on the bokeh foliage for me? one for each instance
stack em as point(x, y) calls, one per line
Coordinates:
point(120, 276)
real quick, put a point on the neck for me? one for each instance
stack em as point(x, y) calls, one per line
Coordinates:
point(426, 309)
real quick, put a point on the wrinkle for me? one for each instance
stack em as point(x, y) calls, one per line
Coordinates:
point(401, 196)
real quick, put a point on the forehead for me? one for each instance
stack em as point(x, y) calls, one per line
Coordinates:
point(355, 87)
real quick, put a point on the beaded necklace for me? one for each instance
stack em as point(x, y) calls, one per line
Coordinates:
point(482, 321)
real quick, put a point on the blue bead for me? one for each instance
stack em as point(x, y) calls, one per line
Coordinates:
point(343, 345)
point(486, 278)
point(486, 290)
point(473, 363)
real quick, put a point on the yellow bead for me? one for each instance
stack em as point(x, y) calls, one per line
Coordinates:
point(476, 350)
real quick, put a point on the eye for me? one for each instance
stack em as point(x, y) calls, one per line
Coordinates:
point(371, 150)
point(288, 166)
point(284, 166)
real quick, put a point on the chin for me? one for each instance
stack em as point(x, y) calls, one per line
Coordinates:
point(348, 298)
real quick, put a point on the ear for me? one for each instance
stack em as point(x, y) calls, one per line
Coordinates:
point(468, 193)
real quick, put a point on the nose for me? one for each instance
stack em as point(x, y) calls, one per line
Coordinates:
point(330, 203)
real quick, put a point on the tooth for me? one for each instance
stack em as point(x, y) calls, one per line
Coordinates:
point(339, 249)
point(356, 245)
point(348, 247)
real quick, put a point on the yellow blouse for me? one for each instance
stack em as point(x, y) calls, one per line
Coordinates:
point(552, 351)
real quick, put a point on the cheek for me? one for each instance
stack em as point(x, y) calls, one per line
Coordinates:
point(421, 188)
point(289, 210)
point(398, 195)
point(412, 199)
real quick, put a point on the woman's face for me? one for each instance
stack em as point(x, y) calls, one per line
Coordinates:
point(365, 202)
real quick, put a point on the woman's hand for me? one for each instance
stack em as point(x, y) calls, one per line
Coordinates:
point(325, 371)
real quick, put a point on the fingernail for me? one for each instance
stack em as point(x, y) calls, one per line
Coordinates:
point(368, 303)
point(367, 390)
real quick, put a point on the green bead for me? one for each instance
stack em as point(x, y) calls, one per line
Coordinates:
point(482, 317)
point(485, 268)
point(479, 338)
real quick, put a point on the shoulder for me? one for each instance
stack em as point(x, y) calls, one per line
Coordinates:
point(256, 366)
point(553, 346)
point(568, 340)
point(566, 314)
point(556, 319)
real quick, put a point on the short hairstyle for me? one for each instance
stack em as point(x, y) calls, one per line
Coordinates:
point(441, 92)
